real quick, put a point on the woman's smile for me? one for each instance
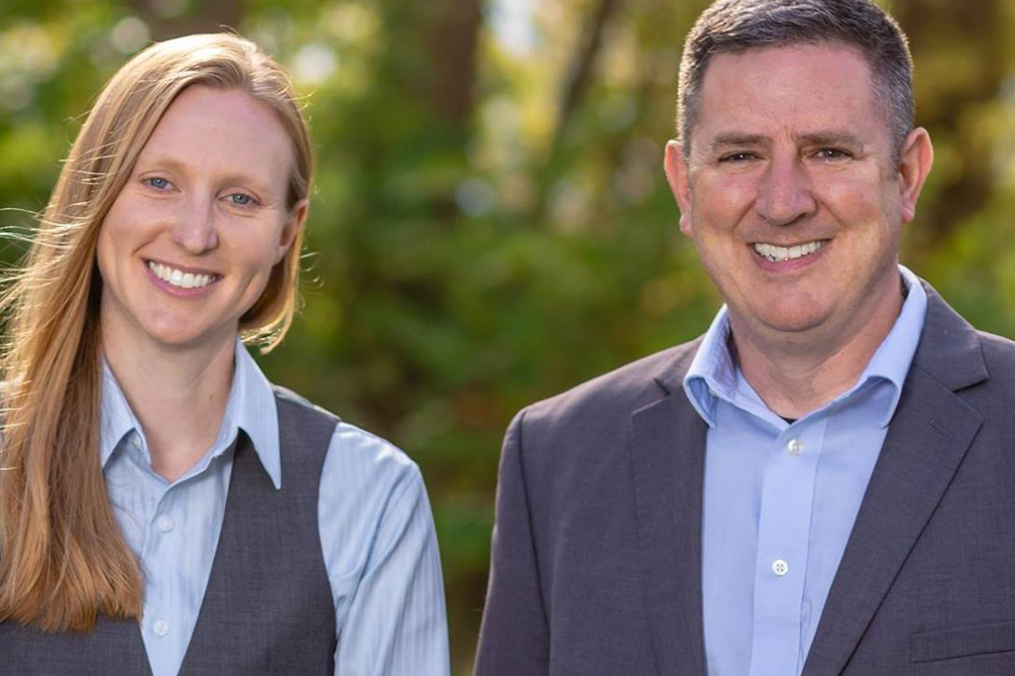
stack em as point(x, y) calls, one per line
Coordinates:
point(180, 278)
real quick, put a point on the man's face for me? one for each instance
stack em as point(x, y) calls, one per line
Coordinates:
point(791, 192)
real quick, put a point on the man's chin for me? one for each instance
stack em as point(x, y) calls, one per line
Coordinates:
point(789, 318)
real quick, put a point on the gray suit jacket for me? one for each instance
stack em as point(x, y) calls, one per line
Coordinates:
point(597, 549)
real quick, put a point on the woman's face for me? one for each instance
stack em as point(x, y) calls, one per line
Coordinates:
point(189, 244)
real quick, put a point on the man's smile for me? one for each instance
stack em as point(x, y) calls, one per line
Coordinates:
point(777, 254)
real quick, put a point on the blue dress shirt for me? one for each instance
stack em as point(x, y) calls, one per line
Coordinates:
point(780, 499)
point(377, 533)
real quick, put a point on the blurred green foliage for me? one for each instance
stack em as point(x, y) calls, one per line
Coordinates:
point(492, 224)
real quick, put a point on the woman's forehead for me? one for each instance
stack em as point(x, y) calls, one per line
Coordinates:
point(223, 132)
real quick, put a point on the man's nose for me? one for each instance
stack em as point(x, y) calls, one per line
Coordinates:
point(195, 226)
point(785, 195)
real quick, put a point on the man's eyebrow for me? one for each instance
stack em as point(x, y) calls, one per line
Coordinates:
point(737, 140)
point(820, 138)
point(829, 138)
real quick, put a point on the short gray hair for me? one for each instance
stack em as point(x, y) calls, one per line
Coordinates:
point(732, 26)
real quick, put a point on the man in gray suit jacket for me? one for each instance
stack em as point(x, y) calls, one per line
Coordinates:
point(824, 483)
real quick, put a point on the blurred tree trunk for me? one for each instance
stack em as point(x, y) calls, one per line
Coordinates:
point(451, 36)
point(441, 37)
point(579, 74)
point(432, 54)
point(575, 86)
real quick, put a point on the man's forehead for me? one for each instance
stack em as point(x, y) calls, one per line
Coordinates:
point(778, 57)
point(803, 89)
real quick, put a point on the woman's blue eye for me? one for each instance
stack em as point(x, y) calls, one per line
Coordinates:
point(240, 199)
point(157, 182)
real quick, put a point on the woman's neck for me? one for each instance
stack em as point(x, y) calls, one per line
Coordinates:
point(178, 396)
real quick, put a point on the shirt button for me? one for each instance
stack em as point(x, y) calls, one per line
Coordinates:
point(780, 567)
point(135, 441)
point(165, 523)
point(161, 628)
point(795, 447)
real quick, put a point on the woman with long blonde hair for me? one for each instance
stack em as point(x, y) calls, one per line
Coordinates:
point(163, 508)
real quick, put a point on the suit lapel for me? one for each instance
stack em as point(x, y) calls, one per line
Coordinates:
point(668, 451)
point(927, 440)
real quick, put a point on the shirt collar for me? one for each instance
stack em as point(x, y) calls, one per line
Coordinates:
point(250, 407)
point(712, 372)
point(714, 375)
point(894, 356)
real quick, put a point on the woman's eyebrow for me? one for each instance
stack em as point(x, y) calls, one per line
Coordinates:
point(234, 177)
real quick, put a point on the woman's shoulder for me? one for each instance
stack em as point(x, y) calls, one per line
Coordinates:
point(368, 485)
point(353, 452)
point(370, 455)
point(286, 396)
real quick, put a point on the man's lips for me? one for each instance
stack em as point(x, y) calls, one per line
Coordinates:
point(778, 254)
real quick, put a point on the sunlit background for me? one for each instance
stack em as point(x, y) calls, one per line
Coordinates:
point(492, 224)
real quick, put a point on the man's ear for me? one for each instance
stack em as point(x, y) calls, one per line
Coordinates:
point(914, 165)
point(292, 226)
point(678, 176)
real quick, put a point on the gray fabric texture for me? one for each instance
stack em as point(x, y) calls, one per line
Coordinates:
point(268, 608)
point(597, 548)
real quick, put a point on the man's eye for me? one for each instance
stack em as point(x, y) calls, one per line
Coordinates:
point(735, 158)
point(833, 154)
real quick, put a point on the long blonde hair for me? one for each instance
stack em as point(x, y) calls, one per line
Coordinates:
point(63, 559)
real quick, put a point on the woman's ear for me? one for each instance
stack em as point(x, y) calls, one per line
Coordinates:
point(292, 226)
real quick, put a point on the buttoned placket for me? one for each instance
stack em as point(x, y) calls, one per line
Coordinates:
point(156, 514)
point(157, 602)
point(783, 540)
point(161, 537)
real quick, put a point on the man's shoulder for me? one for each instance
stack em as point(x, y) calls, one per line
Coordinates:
point(976, 365)
point(999, 357)
point(997, 347)
point(615, 395)
point(960, 357)
point(578, 439)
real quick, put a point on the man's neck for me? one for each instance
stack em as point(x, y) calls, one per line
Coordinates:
point(797, 374)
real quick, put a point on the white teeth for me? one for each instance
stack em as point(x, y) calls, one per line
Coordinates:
point(184, 280)
point(777, 254)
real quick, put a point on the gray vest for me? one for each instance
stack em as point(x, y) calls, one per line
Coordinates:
point(268, 607)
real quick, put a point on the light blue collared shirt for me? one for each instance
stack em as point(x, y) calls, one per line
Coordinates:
point(376, 530)
point(780, 499)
